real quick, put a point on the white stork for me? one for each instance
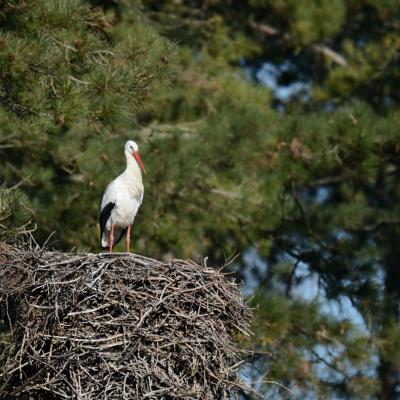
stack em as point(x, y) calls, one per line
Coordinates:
point(121, 200)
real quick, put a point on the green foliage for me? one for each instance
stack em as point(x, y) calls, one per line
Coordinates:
point(303, 341)
point(72, 78)
point(15, 214)
point(313, 186)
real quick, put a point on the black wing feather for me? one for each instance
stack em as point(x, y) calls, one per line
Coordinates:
point(120, 236)
point(104, 215)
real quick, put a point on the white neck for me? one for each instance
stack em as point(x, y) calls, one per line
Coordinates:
point(132, 170)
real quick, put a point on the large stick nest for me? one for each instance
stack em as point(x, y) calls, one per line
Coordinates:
point(93, 326)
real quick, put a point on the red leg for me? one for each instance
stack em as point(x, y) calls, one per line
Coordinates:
point(128, 238)
point(111, 239)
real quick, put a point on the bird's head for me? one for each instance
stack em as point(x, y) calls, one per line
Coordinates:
point(132, 148)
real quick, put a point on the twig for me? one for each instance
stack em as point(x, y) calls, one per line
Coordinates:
point(94, 326)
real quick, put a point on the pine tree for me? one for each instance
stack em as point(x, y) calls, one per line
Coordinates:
point(72, 79)
point(15, 214)
point(300, 188)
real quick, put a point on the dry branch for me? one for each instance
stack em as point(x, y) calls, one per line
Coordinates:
point(91, 326)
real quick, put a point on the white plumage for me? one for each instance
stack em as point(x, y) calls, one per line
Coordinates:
point(122, 199)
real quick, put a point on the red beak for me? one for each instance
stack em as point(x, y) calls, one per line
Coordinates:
point(138, 160)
